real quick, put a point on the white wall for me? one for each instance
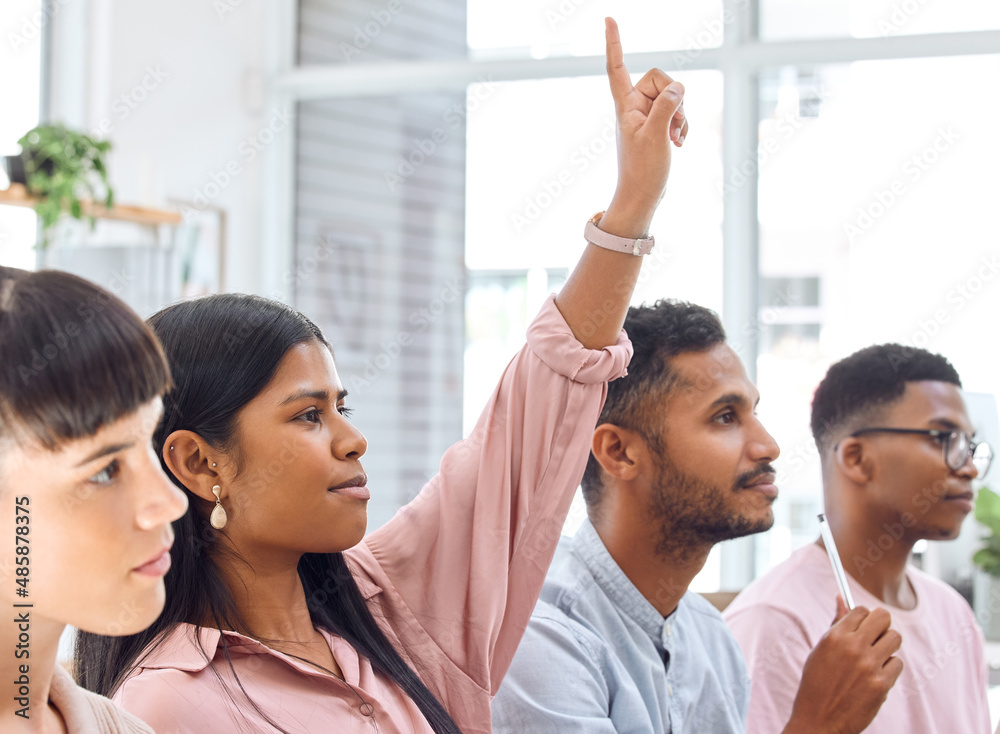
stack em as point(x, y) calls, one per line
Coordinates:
point(179, 90)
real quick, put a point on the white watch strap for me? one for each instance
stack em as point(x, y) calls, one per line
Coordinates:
point(596, 236)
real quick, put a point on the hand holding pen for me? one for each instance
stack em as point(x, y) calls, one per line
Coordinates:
point(849, 673)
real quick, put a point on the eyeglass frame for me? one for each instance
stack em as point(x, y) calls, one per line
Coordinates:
point(937, 433)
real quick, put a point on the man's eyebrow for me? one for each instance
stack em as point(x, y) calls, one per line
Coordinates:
point(732, 398)
point(949, 425)
point(321, 395)
point(104, 451)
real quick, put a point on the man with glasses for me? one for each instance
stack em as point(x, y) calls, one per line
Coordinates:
point(899, 459)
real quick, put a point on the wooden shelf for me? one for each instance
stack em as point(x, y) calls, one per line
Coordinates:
point(17, 195)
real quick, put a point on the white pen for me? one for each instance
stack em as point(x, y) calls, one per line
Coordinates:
point(838, 568)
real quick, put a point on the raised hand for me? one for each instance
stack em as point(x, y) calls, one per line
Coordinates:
point(650, 115)
point(848, 674)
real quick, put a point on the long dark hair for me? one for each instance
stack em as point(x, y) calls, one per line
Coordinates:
point(223, 351)
point(73, 358)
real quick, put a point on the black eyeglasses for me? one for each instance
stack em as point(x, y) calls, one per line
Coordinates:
point(958, 446)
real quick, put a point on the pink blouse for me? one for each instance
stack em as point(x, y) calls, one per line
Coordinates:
point(452, 578)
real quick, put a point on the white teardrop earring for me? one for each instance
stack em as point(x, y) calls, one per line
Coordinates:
point(219, 518)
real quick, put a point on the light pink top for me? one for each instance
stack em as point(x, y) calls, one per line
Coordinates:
point(453, 576)
point(781, 616)
point(87, 713)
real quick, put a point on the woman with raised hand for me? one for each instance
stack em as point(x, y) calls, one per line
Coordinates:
point(280, 614)
point(85, 509)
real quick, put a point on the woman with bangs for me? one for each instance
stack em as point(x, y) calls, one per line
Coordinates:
point(85, 509)
point(281, 614)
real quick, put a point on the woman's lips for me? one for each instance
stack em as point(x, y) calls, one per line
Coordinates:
point(358, 492)
point(156, 567)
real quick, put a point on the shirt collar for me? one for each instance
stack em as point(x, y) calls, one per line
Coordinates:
point(590, 549)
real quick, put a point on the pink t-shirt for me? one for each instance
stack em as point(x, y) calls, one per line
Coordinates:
point(781, 616)
point(452, 578)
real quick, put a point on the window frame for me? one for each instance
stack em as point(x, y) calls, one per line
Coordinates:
point(740, 58)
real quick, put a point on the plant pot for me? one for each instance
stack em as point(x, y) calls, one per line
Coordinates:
point(14, 166)
point(986, 603)
point(17, 168)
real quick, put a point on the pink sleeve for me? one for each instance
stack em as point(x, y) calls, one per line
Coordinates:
point(775, 645)
point(466, 559)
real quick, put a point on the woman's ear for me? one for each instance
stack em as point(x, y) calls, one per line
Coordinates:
point(193, 462)
point(619, 451)
point(853, 461)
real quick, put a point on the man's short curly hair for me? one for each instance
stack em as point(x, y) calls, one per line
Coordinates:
point(859, 387)
point(658, 333)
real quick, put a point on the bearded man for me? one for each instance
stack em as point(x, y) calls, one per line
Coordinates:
point(617, 643)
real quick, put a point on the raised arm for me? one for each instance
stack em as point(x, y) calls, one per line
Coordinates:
point(458, 570)
point(650, 115)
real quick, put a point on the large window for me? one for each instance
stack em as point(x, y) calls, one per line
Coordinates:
point(788, 19)
point(876, 225)
point(526, 202)
point(836, 189)
point(574, 27)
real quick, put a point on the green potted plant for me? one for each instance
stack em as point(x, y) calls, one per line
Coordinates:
point(64, 169)
point(988, 513)
point(987, 559)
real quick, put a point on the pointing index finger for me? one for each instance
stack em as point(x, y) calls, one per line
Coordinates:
point(618, 76)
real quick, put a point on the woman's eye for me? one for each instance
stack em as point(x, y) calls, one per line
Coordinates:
point(311, 416)
point(726, 418)
point(107, 474)
point(345, 411)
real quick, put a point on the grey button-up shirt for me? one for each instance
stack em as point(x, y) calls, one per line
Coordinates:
point(598, 658)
